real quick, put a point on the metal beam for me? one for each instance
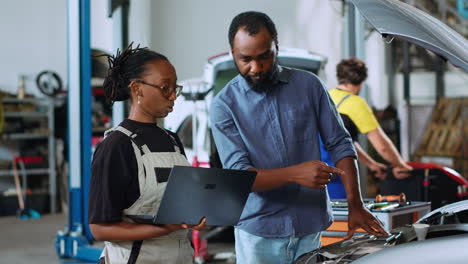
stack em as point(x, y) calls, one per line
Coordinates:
point(439, 64)
point(407, 96)
point(114, 4)
point(351, 18)
point(76, 235)
point(406, 72)
point(85, 99)
point(390, 53)
point(79, 112)
point(355, 46)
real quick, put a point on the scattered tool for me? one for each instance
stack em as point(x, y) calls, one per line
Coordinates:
point(387, 202)
point(389, 206)
point(23, 212)
point(391, 198)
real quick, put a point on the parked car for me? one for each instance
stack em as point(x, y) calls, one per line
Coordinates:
point(191, 119)
point(445, 242)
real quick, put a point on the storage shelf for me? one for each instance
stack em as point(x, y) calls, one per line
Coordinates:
point(4, 173)
point(24, 100)
point(97, 82)
point(100, 129)
point(25, 136)
point(25, 114)
point(34, 108)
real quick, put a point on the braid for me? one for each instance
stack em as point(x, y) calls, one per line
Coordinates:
point(123, 67)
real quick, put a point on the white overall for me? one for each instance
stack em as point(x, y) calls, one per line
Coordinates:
point(172, 248)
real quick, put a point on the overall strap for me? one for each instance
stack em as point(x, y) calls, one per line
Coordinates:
point(134, 138)
point(136, 247)
point(139, 150)
point(174, 141)
point(342, 99)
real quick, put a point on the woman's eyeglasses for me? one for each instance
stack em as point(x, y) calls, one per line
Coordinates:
point(166, 90)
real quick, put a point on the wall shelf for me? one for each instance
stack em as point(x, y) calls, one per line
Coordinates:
point(25, 136)
point(40, 111)
point(4, 173)
point(25, 114)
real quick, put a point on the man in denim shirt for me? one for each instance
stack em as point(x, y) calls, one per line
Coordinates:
point(267, 119)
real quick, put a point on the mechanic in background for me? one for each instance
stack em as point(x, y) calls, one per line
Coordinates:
point(358, 118)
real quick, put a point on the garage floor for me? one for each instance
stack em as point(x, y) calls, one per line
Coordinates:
point(33, 240)
point(30, 241)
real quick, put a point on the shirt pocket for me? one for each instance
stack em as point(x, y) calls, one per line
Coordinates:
point(299, 124)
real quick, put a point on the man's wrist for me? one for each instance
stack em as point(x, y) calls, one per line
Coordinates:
point(372, 164)
point(400, 163)
point(354, 202)
point(290, 173)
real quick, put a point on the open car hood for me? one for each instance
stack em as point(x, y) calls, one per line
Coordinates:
point(392, 18)
point(448, 232)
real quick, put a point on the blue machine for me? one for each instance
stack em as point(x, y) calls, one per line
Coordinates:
point(335, 187)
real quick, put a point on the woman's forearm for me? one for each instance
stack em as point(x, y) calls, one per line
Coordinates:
point(125, 231)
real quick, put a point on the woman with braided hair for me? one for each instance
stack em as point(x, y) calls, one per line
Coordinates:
point(128, 168)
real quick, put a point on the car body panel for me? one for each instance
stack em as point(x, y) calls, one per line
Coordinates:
point(449, 249)
point(446, 242)
point(393, 18)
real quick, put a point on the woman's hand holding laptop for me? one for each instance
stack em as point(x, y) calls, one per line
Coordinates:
point(173, 228)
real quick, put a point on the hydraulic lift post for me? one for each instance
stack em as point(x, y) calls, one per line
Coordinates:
point(74, 240)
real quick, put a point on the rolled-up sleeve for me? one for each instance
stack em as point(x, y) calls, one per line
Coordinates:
point(335, 137)
point(231, 148)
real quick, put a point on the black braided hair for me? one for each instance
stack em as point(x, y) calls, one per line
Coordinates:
point(124, 67)
point(252, 22)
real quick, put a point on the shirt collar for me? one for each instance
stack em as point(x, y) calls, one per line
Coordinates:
point(282, 76)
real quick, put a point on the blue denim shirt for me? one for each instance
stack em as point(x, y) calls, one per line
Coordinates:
point(277, 129)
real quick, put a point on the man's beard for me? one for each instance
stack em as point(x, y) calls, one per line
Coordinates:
point(266, 80)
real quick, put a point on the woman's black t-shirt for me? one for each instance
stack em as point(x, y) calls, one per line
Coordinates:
point(114, 170)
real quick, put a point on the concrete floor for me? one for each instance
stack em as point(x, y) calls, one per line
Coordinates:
point(33, 240)
point(30, 241)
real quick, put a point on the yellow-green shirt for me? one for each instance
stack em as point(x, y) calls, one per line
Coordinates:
point(357, 109)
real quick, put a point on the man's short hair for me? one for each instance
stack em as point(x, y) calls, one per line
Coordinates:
point(352, 70)
point(252, 22)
